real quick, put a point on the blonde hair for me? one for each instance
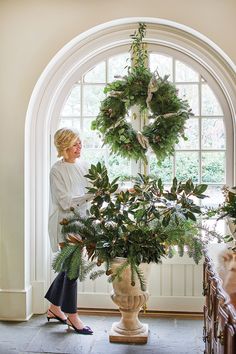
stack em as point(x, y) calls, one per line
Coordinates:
point(65, 138)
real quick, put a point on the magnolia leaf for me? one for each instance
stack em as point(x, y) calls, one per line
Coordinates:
point(160, 185)
point(195, 209)
point(199, 189)
point(166, 220)
point(191, 216)
point(114, 188)
point(115, 180)
point(201, 196)
point(170, 196)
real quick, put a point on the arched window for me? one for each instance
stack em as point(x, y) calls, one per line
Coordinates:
point(69, 92)
point(202, 157)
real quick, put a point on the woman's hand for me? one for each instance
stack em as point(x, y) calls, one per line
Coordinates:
point(131, 190)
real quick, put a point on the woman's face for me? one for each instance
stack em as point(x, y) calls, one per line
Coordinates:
point(74, 151)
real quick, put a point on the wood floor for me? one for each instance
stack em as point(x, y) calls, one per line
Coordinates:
point(166, 336)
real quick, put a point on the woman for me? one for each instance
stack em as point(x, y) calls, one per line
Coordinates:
point(67, 189)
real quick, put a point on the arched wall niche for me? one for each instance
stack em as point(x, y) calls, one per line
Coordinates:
point(45, 103)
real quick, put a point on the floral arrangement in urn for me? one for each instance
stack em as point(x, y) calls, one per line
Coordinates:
point(143, 225)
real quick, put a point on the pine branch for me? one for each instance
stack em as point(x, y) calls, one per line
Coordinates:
point(141, 277)
point(137, 47)
point(75, 263)
point(64, 254)
point(98, 273)
point(85, 269)
point(133, 271)
point(119, 271)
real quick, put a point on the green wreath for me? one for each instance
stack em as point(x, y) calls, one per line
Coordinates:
point(155, 97)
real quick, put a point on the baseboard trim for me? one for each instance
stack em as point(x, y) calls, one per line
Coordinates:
point(183, 304)
point(152, 314)
point(22, 304)
point(16, 304)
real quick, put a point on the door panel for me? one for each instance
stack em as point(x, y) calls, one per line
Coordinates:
point(174, 285)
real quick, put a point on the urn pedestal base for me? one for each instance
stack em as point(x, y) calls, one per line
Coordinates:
point(119, 335)
point(130, 298)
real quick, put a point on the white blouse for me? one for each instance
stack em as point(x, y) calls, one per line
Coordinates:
point(67, 189)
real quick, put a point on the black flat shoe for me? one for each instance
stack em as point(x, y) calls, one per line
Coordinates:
point(85, 330)
point(55, 317)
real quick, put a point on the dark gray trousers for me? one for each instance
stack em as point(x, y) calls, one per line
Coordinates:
point(63, 293)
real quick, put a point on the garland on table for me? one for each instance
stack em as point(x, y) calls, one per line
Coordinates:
point(156, 99)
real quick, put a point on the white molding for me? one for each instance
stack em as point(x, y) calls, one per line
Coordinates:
point(46, 100)
point(176, 303)
point(155, 303)
point(16, 304)
point(39, 304)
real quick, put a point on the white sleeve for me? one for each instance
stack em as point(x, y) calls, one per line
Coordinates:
point(59, 191)
point(83, 199)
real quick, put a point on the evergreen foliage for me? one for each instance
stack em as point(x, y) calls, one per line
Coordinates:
point(155, 96)
point(144, 224)
point(228, 208)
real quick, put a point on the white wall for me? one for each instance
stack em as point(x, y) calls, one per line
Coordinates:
point(31, 33)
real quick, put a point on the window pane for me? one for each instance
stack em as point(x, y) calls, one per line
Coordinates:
point(213, 167)
point(210, 104)
point(77, 123)
point(119, 167)
point(96, 74)
point(90, 137)
point(165, 172)
point(184, 73)
point(72, 104)
point(69, 123)
point(93, 156)
point(117, 66)
point(162, 63)
point(190, 93)
point(66, 123)
point(192, 133)
point(215, 196)
point(187, 166)
point(92, 97)
point(213, 133)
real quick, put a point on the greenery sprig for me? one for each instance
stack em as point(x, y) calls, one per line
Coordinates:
point(228, 207)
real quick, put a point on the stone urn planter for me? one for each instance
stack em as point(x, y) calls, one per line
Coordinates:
point(130, 300)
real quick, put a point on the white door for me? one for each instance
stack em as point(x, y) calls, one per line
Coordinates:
point(174, 285)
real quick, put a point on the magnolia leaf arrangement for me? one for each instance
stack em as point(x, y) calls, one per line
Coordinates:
point(157, 100)
point(142, 225)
